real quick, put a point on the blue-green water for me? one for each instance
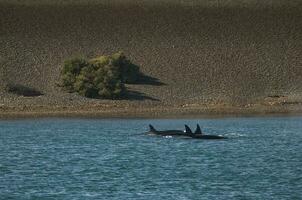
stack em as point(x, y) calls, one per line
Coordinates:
point(113, 159)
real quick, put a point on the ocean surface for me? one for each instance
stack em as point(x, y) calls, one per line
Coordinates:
point(115, 159)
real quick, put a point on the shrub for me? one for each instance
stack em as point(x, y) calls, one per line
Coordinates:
point(68, 81)
point(74, 66)
point(84, 83)
point(108, 78)
point(71, 69)
point(103, 76)
point(100, 61)
point(129, 72)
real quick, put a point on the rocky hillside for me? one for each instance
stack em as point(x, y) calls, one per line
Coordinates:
point(198, 50)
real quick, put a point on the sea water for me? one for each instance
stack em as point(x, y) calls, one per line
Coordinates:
point(115, 159)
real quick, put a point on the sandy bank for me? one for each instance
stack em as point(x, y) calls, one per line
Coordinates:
point(237, 53)
point(154, 111)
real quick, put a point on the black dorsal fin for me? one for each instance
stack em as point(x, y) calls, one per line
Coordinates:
point(188, 130)
point(152, 129)
point(198, 130)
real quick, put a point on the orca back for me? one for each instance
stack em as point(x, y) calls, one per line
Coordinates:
point(198, 130)
point(188, 130)
point(152, 129)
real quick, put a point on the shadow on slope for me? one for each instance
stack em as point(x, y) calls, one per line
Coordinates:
point(143, 79)
point(23, 90)
point(135, 95)
point(148, 80)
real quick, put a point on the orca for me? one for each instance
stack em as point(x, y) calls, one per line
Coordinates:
point(209, 137)
point(198, 130)
point(153, 131)
point(187, 133)
point(199, 135)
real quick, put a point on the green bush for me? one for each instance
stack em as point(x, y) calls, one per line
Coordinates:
point(103, 76)
point(74, 66)
point(68, 81)
point(84, 83)
point(71, 69)
point(129, 72)
point(108, 78)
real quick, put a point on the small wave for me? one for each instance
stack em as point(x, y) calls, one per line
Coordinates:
point(235, 135)
point(4, 169)
point(90, 194)
point(168, 136)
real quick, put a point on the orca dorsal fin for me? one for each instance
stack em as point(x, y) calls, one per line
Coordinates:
point(152, 129)
point(198, 130)
point(188, 130)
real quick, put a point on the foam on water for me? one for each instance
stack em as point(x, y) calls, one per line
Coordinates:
point(234, 135)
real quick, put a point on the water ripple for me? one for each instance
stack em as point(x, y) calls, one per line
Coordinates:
point(113, 159)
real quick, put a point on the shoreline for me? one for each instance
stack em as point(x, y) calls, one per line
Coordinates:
point(155, 113)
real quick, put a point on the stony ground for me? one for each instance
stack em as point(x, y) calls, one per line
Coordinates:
point(202, 55)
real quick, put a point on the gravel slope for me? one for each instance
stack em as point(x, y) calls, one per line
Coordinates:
point(200, 51)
